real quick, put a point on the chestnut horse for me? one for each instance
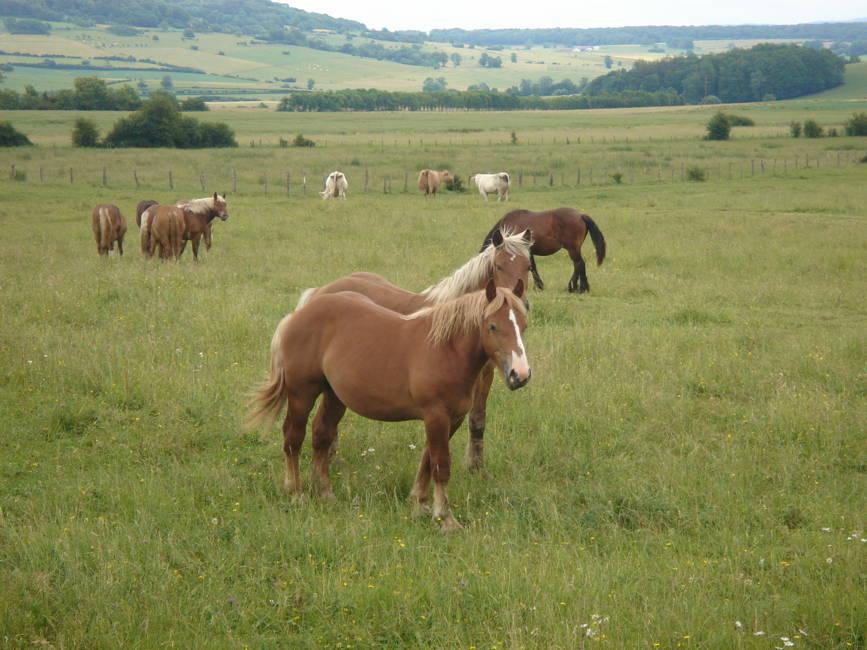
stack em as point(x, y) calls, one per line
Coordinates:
point(553, 230)
point(108, 227)
point(198, 215)
point(429, 181)
point(163, 226)
point(389, 367)
point(140, 209)
point(505, 260)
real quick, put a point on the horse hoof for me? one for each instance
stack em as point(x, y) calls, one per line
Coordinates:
point(450, 525)
point(420, 509)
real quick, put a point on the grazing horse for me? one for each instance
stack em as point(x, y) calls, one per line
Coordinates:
point(553, 230)
point(335, 186)
point(140, 209)
point(198, 215)
point(429, 181)
point(492, 184)
point(108, 227)
point(165, 228)
point(389, 367)
point(505, 260)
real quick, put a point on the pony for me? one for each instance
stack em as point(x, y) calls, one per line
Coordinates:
point(140, 209)
point(108, 227)
point(505, 260)
point(552, 230)
point(335, 186)
point(492, 183)
point(429, 181)
point(163, 226)
point(198, 215)
point(389, 367)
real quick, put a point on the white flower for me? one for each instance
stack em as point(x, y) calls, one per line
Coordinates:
point(411, 446)
point(826, 530)
point(739, 625)
point(758, 633)
point(829, 560)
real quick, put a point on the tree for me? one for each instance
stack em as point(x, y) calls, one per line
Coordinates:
point(142, 86)
point(857, 124)
point(189, 33)
point(85, 133)
point(718, 128)
point(812, 129)
point(11, 137)
point(167, 83)
point(194, 104)
point(795, 129)
point(513, 58)
point(432, 85)
point(608, 61)
point(310, 84)
point(456, 59)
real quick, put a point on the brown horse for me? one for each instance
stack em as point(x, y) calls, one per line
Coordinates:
point(164, 228)
point(389, 367)
point(140, 208)
point(198, 215)
point(108, 227)
point(553, 230)
point(505, 260)
point(429, 181)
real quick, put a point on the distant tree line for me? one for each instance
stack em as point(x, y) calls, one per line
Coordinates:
point(380, 100)
point(764, 71)
point(26, 26)
point(253, 17)
point(648, 35)
point(408, 55)
point(88, 94)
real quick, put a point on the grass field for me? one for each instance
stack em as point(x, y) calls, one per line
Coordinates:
point(262, 66)
point(685, 470)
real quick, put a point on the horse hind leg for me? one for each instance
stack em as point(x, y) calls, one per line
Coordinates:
point(294, 431)
point(330, 412)
point(537, 279)
point(578, 282)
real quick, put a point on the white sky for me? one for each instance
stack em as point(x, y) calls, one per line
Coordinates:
point(425, 16)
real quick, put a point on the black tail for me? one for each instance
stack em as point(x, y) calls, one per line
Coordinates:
point(596, 236)
point(490, 235)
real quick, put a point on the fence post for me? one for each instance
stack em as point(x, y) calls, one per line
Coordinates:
point(304, 182)
point(234, 181)
point(104, 177)
point(42, 178)
point(288, 181)
point(135, 177)
point(202, 180)
point(265, 179)
point(12, 173)
point(551, 179)
point(366, 179)
point(578, 178)
point(521, 178)
point(405, 182)
point(71, 177)
point(171, 181)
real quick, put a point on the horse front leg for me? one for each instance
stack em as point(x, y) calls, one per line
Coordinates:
point(478, 411)
point(537, 279)
point(438, 429)
point(196, 239)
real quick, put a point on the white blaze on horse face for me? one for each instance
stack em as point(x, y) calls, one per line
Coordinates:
point(519, 361)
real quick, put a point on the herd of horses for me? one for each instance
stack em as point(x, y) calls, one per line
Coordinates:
point(386, 353)
point(167, 227)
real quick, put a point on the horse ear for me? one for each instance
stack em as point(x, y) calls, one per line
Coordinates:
point(519, 289)
point(497, 239)
point(491, 290)
point(528, 235)
point(215, 196)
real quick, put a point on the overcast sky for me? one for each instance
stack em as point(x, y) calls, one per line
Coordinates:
point(427, 15)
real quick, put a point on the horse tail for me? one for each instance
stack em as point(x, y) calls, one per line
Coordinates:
point(490, 236)
point(423, 180)
point(146, 220)
point(176, 233)
point(104, 228)
point(306, 295)
point(267, 399)
point(597, 237)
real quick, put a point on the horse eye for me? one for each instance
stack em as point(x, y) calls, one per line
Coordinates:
point(492, 327)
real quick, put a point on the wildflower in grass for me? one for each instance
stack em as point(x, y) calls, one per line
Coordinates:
point(412, 447)
point(758, 633)
point(826, 530)
point(739, 625)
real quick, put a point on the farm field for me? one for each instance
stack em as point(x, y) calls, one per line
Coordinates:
point(237, 64)
point(685, 470)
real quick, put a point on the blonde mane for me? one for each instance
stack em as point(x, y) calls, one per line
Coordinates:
point(199, 206)
point(464, 315)
point(471, 275)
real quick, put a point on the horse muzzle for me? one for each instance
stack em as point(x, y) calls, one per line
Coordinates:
point(515, 381)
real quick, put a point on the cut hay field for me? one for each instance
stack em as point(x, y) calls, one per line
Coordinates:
point(686, 468)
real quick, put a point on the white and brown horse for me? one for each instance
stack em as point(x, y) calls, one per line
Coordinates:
point(198, 216)
point(389, 367)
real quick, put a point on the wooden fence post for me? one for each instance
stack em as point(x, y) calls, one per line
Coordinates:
point(234, 181)
point(366, 179)
point(265, 181)
point(578, 178)
point(171, 181)
point(12, 173)
point(405, 182)
point(304, 182)
point(135, 177)
point(41, 176)
point(288, 182)
point(71, 177)
point(104, 177)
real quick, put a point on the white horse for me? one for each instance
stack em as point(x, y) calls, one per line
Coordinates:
point(490, 183)
point(335, 186)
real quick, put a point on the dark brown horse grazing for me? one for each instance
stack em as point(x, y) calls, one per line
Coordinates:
point(553, 230)
point(389, 367)
point(505, 260)
point(163, 226)
point(108, 227)
point(198, 215)
point(140, 208)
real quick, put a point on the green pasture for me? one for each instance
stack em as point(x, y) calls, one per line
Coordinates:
point(686, 468)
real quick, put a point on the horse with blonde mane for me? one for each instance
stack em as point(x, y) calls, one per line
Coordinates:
point(389, 367)
point(429, 181)
point(108, 227)
point(198, 216)
point(163, 226)
point(505, 260)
